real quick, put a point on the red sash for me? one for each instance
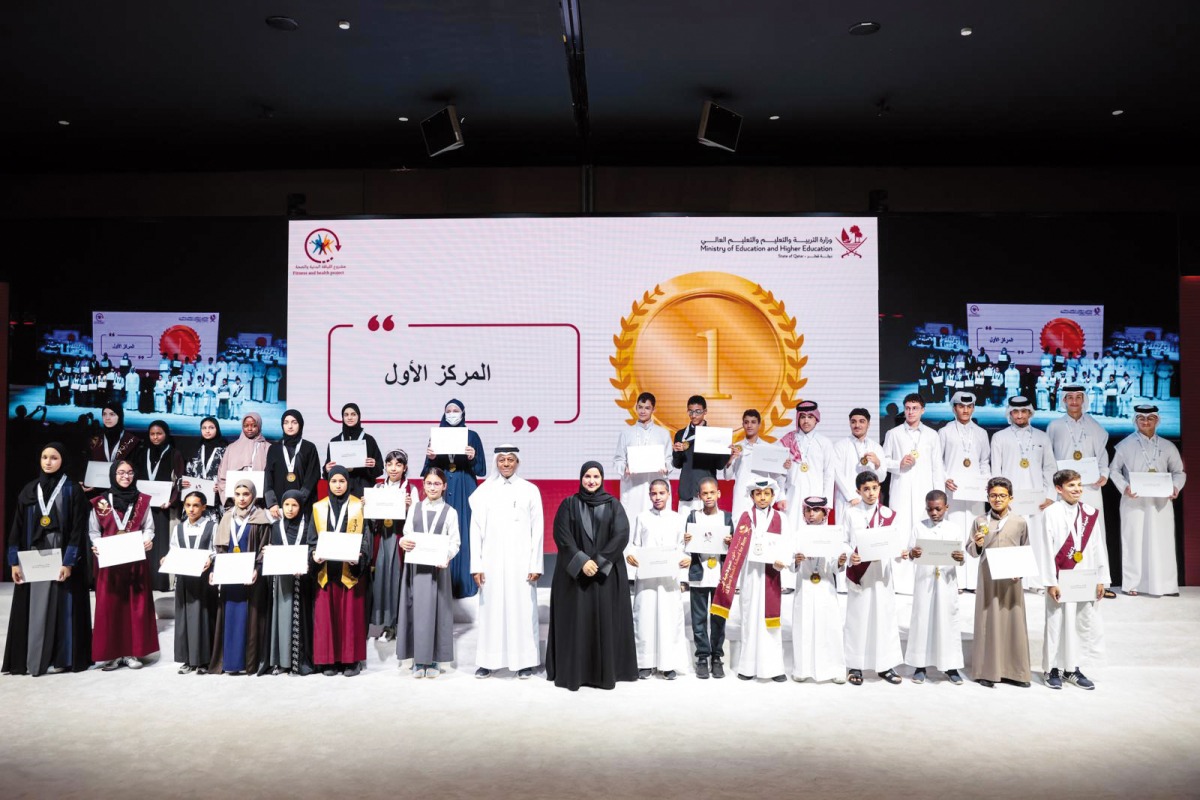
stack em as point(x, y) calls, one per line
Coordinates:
point(106, 515)
point(739, 546)
point(1064, 559)
point(855, 572)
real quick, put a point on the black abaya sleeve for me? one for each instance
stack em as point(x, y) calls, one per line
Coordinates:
point(566, 539)
point(310, 472)
point(613, 546)
point(274, 468)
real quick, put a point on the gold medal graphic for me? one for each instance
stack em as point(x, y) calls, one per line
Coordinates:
point(1077, 455)
point(815, 577)
point(291, 476)
point(45, 521)
point(715, 334)
point(712, 562)
point(1024, 463)
point(387, 523)
point(804, 467)
point(1078, 556)
point(966, 462)
point(863, 461)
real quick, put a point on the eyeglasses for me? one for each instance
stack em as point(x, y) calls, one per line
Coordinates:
point(696, 412)
point(1001, 496)
point(125, 472)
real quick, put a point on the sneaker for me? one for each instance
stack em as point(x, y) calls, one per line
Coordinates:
point(1079, 679)
point(116, 663)
point(644, 674)
point(919, 676)
point(185, 669)
point(702, 668)
point(525, 673)
point(839, 680)
point(132, 662)
point(670, 675)
point(1054, 679)
point(742, 677)
point(954, 677)
point(56, 670)
point(201, 670)
point(418, 672)
point(482, 673)
point(718, 669)
point(432, 670)
point(352, 671)
point(329, 673)
point(780, 678)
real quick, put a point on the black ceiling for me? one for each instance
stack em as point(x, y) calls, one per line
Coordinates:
point(187, 85)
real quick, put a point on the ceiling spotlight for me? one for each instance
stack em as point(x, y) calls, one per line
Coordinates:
point(64, 122)
point(1118, 112)
point(864, 28)
point(402, 119)
point(773, 117)
point(344, 24)
point(965, 32)
point(283, 23)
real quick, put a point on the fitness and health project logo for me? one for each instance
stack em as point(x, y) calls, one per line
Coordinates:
point(322, 246)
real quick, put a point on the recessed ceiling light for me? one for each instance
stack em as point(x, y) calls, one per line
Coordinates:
point(1118, 112)
point(773, 117)
point(283, 23)
point(64, 122)
point(402, 119)
point(864, 28)
point(344, 24)
point(965, 32)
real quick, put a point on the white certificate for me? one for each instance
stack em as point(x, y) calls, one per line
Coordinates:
point(338, 546)
point(643, 459)
point(767, 548)
point(256, 476)
point(285, 559)
point(713, 440)
point(657, 562)
point(1011, 562)
point(432, 550)
point(385, 503)
point(233, 568)
point(820, 541)
point(121, 548)
point(185, 561)
point(1027, 505)
point(351, 454)
point(769, 458)
point(875, 544)
point(706, 538)
point(1088, 468)
point(1078, 585)
point(936, 552)
point(159, 491)
point(206, 488)
point(448, 441)
point(96, 475)
point(40, 565)
point(1151, 484)
point(972, 488)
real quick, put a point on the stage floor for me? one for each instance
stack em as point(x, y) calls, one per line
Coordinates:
point(153, 733)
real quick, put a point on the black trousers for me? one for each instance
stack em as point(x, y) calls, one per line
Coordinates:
point(707, 645)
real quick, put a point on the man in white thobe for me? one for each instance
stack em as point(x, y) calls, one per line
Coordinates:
point(872, 636)
point(965, 452)
point(1024, 455)
point(1077, 439)
point(1147, 523)
point(635, 494)
point(934, 639)
point(506, 561)
point(739, 464)
point(818, 651)
point(914, 457)
point(657, 607)
point(854, 454)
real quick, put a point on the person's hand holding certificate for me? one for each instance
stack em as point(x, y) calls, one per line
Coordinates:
point(351, 454)
point(820, 541)
point(1011, 562)
point(768, 548)
point(337, 546)
point(875, 544)
point(1078, 585)
point(769, 458)
point(645, 459)
point(285, 559)
point(657, 562)
point(431, 550)
point(233, 568)
point(448, 441)
point(1151, 484)
point(121, 548)
point(713, 440)
point(380, 502)
point(185, 561)
point(936, 552)
point(40, 565)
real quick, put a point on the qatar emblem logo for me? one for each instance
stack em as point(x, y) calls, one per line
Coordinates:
point(852, 241)
point(321, 246)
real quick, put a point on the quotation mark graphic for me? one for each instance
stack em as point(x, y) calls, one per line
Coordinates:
point(373, 323)
point(520, 422)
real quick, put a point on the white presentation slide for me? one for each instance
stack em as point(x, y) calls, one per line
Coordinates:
point(144, 336)
point(547, 329)
point(1027, 331)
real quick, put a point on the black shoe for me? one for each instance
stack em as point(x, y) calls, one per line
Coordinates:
point(702, 668)
point(329, 673)
point(986, 682)
point(670, 675)
point(644, 674)
point(890, 676)
point(482, 672)
point(780, 678)
point(1011, 682)
point(742, 677)
point(525, 673)
point(718, 669)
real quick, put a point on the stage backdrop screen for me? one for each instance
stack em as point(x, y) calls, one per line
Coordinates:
point(547, 329)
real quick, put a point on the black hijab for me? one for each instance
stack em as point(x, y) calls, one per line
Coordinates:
point(337, 501)
point(292, 442)
point(156, 451)
point(598, 497)
point(49, 480)
point(122, 498)
point(351, 431)
point(113, 434)
point(292, 526)
point(218, 439)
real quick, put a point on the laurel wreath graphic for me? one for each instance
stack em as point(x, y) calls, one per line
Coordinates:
point(776, 416)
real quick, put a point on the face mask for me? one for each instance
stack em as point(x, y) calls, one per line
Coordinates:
point(454, 417)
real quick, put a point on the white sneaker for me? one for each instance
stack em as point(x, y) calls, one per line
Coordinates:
point(432, 671)
point(132, 662)
point(419, 672)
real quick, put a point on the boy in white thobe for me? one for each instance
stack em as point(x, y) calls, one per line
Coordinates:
point(914, 454)
point(1072, 542)
point(657, 606)
point(933, 633)
point(506, 562)
point(872, 637)
point(965, 453)
point(817, 648)
point(635, 494)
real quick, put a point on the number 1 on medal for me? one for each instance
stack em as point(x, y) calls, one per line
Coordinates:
point(714, 366)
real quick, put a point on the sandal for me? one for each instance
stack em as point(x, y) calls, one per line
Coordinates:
point(854, 677)
point(890, 676)
point(1131, 593)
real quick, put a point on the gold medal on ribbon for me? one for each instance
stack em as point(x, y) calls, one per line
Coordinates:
point(804, 467)
point(1078, 556)
point(815, 577)
point(915, 454)
point(863, 461)
point(966, 462)
point(44, 521)
point(1024, 463)
point(453, 467)
point(1077, 455)
point(712, 562)
point(387, 523)
point(675, 321)
point(983, 529)
point(1153, 469)
point(291, 477)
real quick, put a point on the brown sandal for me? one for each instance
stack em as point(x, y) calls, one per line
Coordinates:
point(855, 677)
